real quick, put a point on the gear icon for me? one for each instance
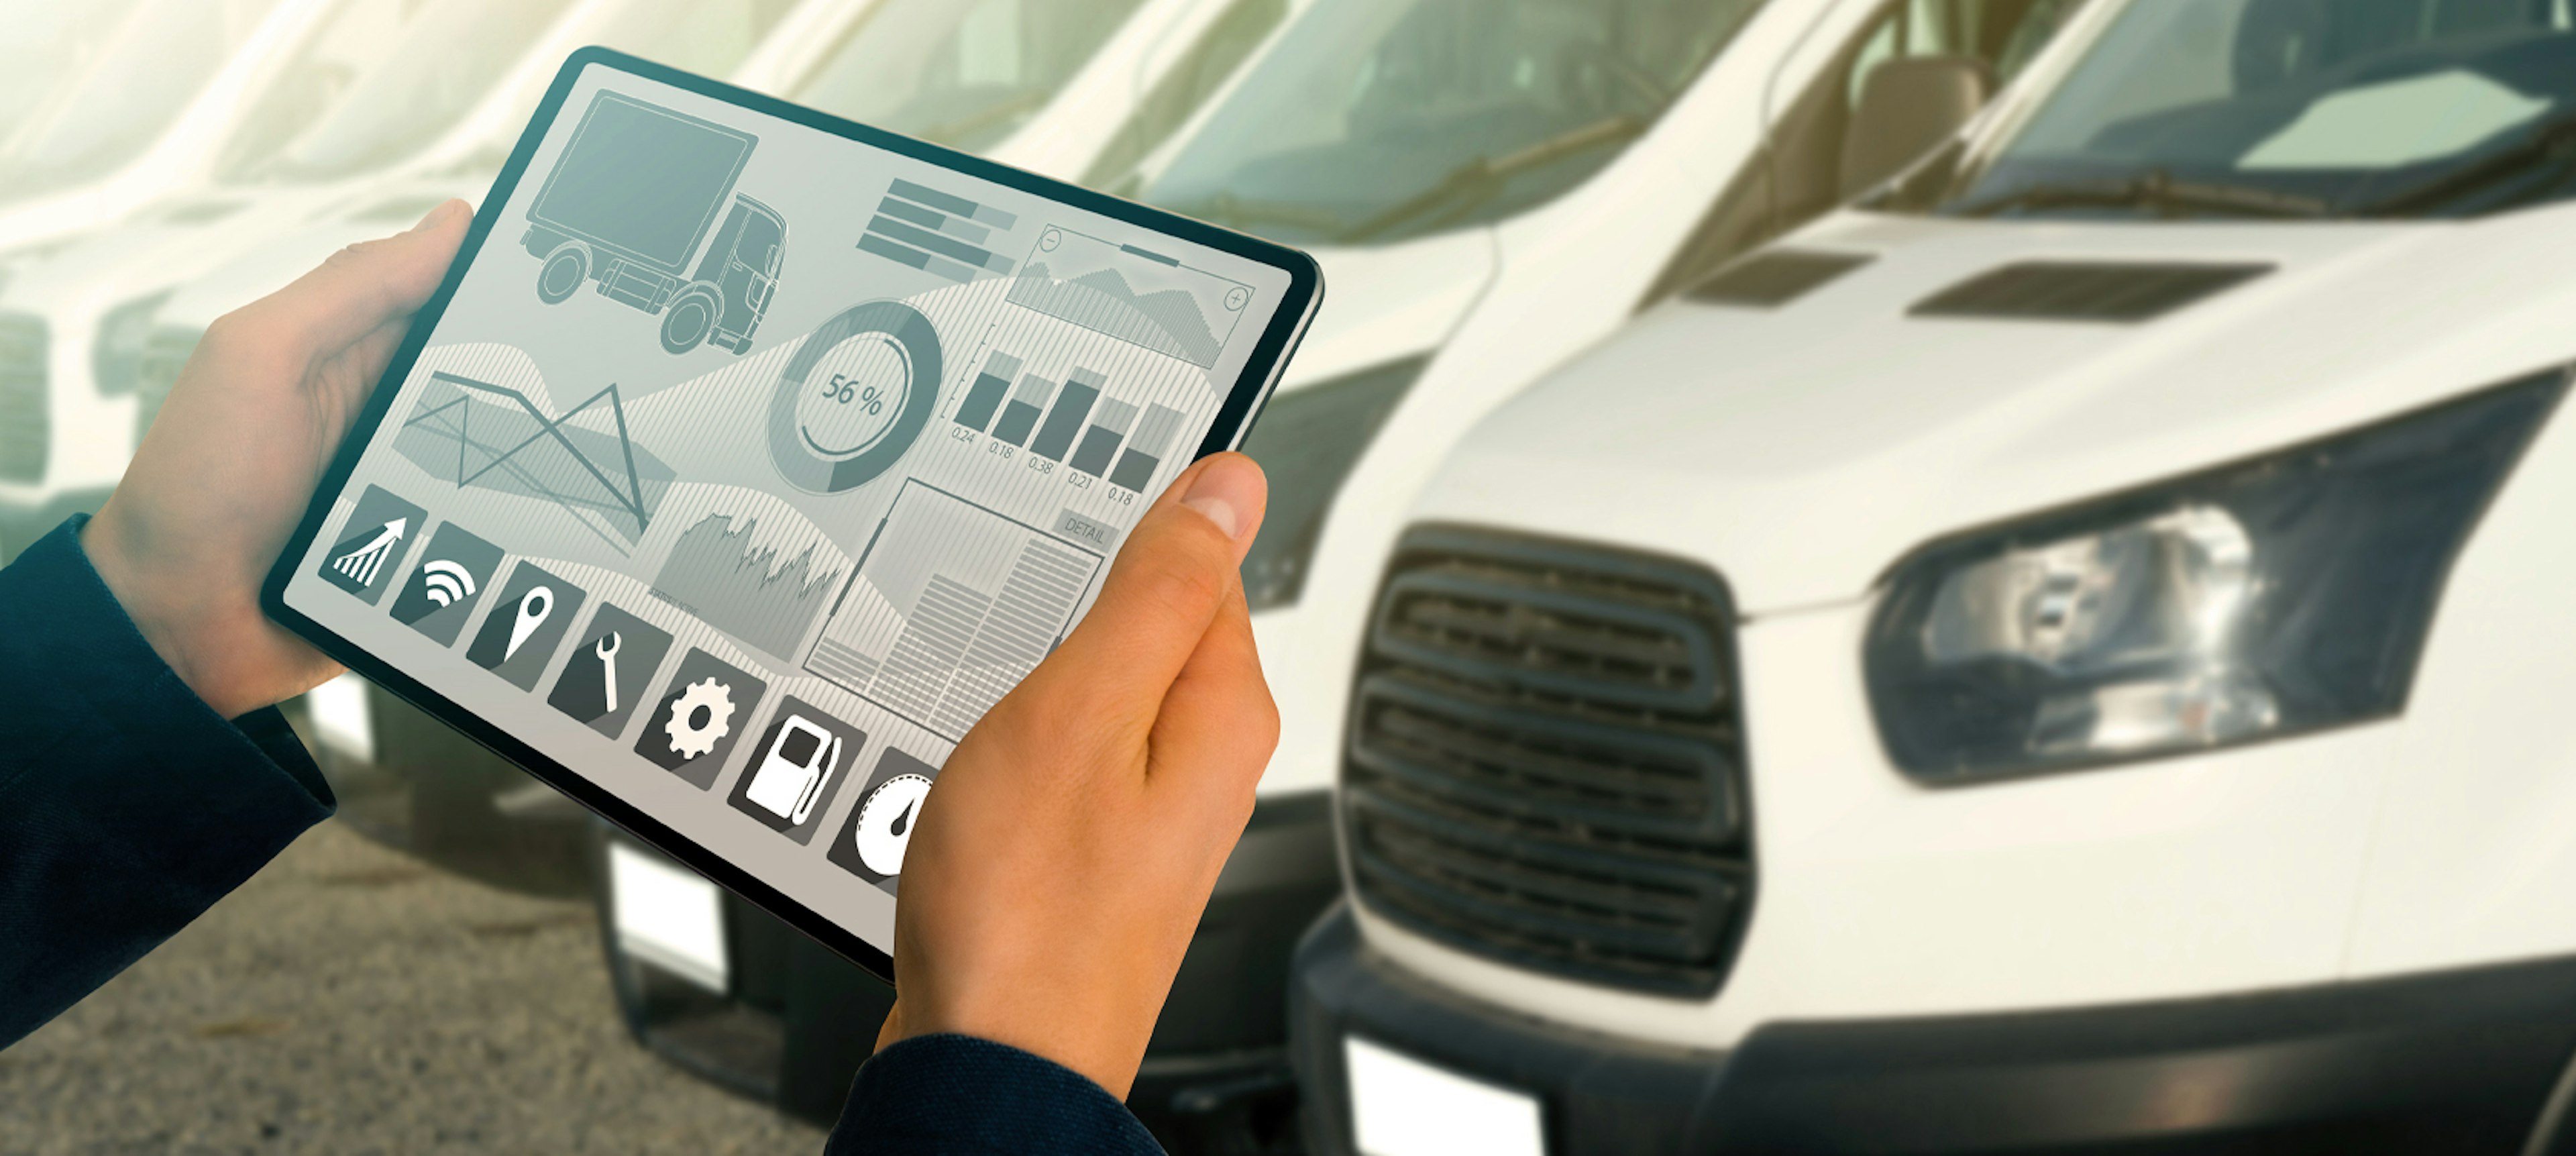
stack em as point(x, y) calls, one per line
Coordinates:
point(693, 739)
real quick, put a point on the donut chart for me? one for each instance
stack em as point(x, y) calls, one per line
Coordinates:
point(857, 394)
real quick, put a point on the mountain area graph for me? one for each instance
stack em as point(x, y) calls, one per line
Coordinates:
point(718, 572)
point(741, 588)
point(475, 433)
point(1135, 295)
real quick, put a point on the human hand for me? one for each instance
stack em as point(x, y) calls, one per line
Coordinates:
point(1059, 866)
point(231, 462)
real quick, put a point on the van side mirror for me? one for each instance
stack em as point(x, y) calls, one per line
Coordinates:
point(1908, 106)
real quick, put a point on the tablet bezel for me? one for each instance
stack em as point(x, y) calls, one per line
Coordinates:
point(1244, 400)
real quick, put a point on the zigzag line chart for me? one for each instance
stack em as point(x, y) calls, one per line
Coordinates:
point(476, 433)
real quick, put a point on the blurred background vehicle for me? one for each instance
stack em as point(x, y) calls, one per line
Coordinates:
point(137, 97)
point(2064, 655)
point(368, 83)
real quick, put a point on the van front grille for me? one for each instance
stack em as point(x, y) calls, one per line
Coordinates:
point(1546, 763)
point(26, 424)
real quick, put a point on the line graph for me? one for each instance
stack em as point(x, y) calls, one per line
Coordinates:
point(475, 433)
point(1135, 295)
point(719, 572)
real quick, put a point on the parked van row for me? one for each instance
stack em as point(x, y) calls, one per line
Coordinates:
point(1843, 575)
point(1471, 169)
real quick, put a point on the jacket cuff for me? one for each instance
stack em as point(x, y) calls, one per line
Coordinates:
point(955, 1093)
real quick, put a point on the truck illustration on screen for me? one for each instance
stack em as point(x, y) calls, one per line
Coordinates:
point(630, 199)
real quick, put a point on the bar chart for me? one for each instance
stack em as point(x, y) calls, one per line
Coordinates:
point(1055, 414)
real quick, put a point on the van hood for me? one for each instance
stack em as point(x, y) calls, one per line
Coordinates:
point(379, 211)
point(1801, 450)
point(1391, 302)
point(150, 251)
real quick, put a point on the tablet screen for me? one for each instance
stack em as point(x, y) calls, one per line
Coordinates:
point(749, 464)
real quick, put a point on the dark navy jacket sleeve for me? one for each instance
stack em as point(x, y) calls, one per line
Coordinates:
point(962, 1096)
point(127, 806)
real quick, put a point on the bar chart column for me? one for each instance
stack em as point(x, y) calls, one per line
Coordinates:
point(1145, 452)
point(985, 396)
point(1021, 415)
point(1081, 388)
point(1109, 423)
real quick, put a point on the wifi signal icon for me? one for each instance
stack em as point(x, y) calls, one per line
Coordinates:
point(446, 582)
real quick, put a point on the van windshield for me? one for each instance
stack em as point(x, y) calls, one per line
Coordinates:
point(381, 80)
point(124, 73)
point(1370, 121)
point(961, 74)
point(2299, 108)
point(48, 46)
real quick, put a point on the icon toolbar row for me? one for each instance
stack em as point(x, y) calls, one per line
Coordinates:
point(691, 728)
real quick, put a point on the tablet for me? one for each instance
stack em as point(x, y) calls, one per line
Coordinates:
point(747, 456)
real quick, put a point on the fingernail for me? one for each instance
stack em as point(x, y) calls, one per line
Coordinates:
point(1225, 491)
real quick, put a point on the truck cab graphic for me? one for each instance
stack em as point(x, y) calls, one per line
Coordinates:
point(635, 191)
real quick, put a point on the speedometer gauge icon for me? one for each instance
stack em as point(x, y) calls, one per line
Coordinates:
point(857, 394)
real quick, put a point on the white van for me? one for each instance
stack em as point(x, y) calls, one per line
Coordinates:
point(369, 84)
point(116, 102)
point(2058, 657)
point(1491, 188)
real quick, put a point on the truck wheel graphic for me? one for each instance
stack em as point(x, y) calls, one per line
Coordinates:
point(857, 394)
point(689, 318)
point(564, 271)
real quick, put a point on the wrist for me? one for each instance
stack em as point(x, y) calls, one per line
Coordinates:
point(173, 619)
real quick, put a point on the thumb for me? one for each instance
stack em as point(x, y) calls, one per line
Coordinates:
point(368, 284)
point(1176, 570)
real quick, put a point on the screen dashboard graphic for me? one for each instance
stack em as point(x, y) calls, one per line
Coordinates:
point(749, 466)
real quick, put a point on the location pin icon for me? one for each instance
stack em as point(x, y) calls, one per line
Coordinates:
point(538, 602)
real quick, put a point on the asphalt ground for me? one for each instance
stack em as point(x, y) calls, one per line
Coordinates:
point(350, 999)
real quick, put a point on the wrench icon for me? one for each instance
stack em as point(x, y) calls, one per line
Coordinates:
point(607, 652)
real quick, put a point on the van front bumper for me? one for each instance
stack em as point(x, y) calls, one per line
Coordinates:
point(2465, 1061)
point(795, 1021)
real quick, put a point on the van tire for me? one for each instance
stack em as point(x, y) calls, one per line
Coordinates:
point(690, 318)
point(562, 274)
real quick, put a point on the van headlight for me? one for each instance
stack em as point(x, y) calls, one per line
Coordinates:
point(1307, 442)
point(116, 357)
point(2266, 598)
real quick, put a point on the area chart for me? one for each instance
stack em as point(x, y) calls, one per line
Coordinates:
point(1133, 294)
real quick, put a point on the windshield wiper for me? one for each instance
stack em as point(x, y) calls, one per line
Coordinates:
point(1480, 177)
point(2155, 189)
point(2550, 144)
point(1229, 209)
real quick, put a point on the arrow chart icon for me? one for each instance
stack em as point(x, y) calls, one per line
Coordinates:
point(362, 564)
point(372, 543)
